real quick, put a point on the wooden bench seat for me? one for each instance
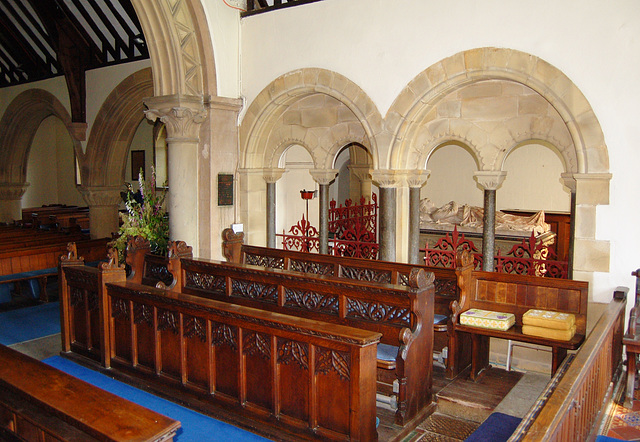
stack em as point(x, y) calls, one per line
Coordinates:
point(516, 294)
point(39, 402)
point(631, 341)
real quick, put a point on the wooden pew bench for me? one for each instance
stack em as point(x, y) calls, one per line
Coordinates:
point(631, 341)
point(403, 314)
point(516, 294)
point(445, 283)
point(39, 402)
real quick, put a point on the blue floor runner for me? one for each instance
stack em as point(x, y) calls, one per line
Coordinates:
point(195, 426)
point(29, 323)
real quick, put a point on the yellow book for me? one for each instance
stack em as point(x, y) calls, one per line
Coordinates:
point(549, 319)
point(550, 333)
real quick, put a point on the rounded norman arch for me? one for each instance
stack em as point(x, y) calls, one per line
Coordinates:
point(18, 127)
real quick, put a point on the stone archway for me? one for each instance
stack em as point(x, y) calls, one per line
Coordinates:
point(310, 107)
point(17, 129)
point(587, 164)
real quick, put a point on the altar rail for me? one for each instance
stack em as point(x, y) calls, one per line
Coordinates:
point(574, 408)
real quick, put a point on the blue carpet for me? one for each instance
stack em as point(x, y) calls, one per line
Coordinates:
point(496, 428)
point(195, 426)
point(29, 323)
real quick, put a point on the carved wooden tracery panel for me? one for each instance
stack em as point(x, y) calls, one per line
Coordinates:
point(293, 351)
point(203, 281)
point(93, 302)
point(142, 314)
point(264, 261)
point(312, 301)
point(371, 275)
point(159, 272)
point(76, 296)
point(223, 334)
point(254, 290)
point(195, 328)
point(168, 320)
point(331, 360)
point(256, 343)
point(377, 312)
point(316, 268)
point(119, 308)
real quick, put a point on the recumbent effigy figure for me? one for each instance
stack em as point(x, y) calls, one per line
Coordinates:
point(472, 217)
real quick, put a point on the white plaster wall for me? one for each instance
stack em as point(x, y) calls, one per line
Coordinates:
point(224, 23)
point(382, 44)
point(56, 86)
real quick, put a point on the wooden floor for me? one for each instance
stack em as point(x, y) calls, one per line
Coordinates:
point(461, 406)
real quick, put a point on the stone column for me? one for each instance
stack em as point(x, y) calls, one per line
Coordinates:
point(363, 173)
point(415, 180)
point(182, 116)
point(103, 202)
point(490, 181)
point(271, 176)
point(10, 201)
point(323, 177)
point(387, 183)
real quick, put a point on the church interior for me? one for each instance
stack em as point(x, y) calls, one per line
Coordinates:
point(244, 130)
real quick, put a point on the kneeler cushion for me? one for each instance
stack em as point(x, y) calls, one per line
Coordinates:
point(549, 319)
point(487, 319)
point(550, 333)
point(387, 352)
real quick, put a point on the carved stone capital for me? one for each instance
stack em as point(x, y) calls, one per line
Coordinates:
point(101, 195)
point(417, 178)
point(323, 176)
point(272, 175)
point(490, 179)
point(569, 181)
point(181, 114)
point(363, 173)
point(387, 178)
point(12, 191)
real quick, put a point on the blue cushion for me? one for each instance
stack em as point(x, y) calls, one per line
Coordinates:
point(5, 292)
point(440, 319)
point(34, 288)
point(387, 352)
point(497, 427)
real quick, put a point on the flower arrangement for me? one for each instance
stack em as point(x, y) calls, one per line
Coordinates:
point(146, 216)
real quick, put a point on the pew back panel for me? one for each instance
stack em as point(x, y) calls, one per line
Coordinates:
point(260, 364)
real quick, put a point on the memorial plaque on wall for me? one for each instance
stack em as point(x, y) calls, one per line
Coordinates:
point(225, 189)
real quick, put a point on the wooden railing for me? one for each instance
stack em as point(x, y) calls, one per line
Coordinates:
point(574, 408)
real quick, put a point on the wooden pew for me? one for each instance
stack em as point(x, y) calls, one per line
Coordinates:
point(509, 293)
point(575, 402)
point(154, 270)
point(40, 262)
point(403, 314)
point(260, 370)
point(445, 282)
point(39, 402)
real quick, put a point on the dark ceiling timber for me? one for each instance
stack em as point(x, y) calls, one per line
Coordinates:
point(42, 39)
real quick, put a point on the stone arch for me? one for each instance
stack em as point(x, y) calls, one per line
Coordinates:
point(180, 46)
point(587, 166)
point(18, 127)
point(431, 85)
point(265, 114)
point(113, 129)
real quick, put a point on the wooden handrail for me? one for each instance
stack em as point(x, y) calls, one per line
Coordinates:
point(573, 410)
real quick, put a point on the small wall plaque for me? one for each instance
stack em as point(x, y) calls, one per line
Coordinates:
point(225, 189)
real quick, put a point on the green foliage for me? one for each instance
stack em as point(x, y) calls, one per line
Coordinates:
point(146, 217)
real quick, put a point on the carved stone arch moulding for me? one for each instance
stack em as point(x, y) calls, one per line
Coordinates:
point(114, 128)
point(468, 67)
point(18, 127)
point(264, 115)
point(274, 156)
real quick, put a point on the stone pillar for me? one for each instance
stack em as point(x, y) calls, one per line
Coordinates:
point(363, 173)
point(103, 202)
point(569, 181)
point(182, 116)
point(490, 181)
point(415, 180)
point(387, 183)
point(271, 176)
point(323, 177)
point(10, 201)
